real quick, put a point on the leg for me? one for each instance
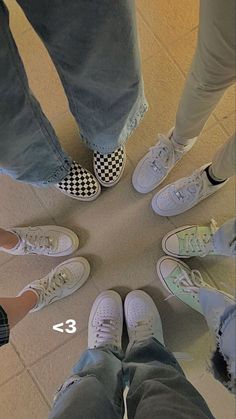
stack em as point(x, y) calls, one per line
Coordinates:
point(158, 387)
point(224, 162)
point(220, 314)
point(224, 239)
point(17, 308)
point(95, 49)
point(96, 389)
point(8, 239)
point(218, 307)
point(29, 149)
point(213, 68)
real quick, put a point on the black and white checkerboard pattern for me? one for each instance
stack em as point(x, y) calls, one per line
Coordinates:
point(79, 182)
point(109, 166)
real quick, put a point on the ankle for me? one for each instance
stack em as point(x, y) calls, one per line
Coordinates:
point(29, 298)
point(212, 178)
point(8, 240)
point(180, 145)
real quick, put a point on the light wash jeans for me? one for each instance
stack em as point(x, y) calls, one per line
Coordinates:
point(220, 314)
point(157, 386)
point(224, 240)
point(94, 46)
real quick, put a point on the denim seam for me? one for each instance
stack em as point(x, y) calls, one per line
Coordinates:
point(26, 88)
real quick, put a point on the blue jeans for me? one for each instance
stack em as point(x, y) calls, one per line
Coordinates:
point(94, 47)
point(224, 239)
point(220, 313)
point(157, 386)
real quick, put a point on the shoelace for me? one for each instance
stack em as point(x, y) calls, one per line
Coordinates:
point(36, 243)
point(199, 241)
point(190, 186)
point(143, 330)
point(190, 283)
point(106, 331)
point(161, 154)
point(55, 281)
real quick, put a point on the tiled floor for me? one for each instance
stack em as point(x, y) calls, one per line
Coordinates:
point(119, 233)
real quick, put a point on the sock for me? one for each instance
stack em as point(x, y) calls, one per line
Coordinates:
point(212, 180)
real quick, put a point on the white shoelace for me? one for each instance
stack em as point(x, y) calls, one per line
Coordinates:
point(161, 154)
point(190, 188)
point(106, 331)
point(35, 243)
point(190, 283)
point(143, 330)
point(50, 284)
point(199, 241)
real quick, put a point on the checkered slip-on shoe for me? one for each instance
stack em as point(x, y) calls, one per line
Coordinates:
point(79, 184)
point(109, 168)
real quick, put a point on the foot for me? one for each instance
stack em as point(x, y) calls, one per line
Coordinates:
point(154, 167)
point(190, 241)
point(142, 318)
point(44, 240)
point(109, 168)
point(184, 194)
point(106, 321)
point(182, 282)
point(79, 184)
point(62, 281)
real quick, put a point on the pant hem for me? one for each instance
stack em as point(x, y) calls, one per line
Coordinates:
point(132, 123)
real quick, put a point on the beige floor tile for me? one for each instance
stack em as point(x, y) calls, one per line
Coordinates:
point(163, 86)
point(183, 49)
point(148, 42)
point(43, 78)
point(219, 400)
point(18, 22)
point(11, 364)
point(20, 399)
point(169, 20)
point(19, 205)
point(229, 123)
point(56, 367)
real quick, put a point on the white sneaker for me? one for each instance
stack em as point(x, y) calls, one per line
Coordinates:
point(190, 241)
point(44, 240)
point(62, 281)
point(142, 318)
point(182, 282)
point(184, 194)
point(106, 321)
point(153, 168)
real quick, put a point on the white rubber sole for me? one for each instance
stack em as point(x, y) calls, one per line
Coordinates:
point(89, 199)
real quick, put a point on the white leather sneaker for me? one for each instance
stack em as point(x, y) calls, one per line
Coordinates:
point(154, 167)
point(142, 318)
point(106, 321)
point(49, 240)
point(185, 193)
point(62, 281)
